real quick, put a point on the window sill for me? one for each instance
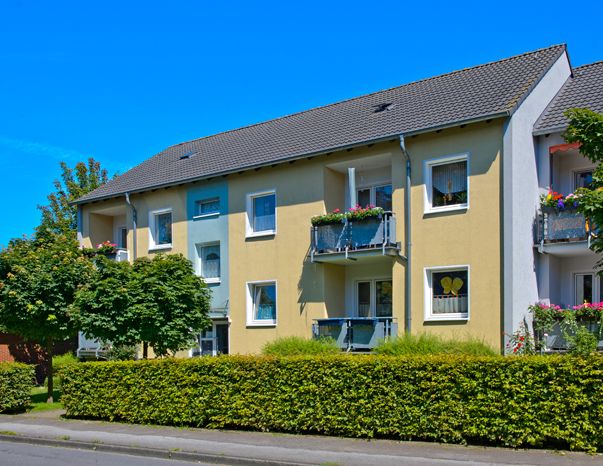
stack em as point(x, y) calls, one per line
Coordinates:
point(267, 323)
point(452, 208)
point(213, 214)
point(447, 318)
point(260, 234)
point(160, 247)
point(212, 281)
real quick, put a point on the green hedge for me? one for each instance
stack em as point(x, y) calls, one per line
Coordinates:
point(513, 401)
point(16, 382)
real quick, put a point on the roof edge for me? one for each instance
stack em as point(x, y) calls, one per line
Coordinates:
point(550, 130)
point(541, 77)
point(428, 129)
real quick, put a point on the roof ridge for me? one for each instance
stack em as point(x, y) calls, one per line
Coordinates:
point(600, 62)
point(240, 128)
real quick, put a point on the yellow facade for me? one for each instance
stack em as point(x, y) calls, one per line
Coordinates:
point(313, 186)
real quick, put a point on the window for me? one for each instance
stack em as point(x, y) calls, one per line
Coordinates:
point(583, 179)
point(374, 298)
point(209, 262)
point(447, 293)
point(160, 229)
point(261, 214)
point(447, 183)
point(207, 207)
point(379, 196)
point(261, 303)
point(122, 238)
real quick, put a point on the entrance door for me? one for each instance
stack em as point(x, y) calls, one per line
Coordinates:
point(374, 298)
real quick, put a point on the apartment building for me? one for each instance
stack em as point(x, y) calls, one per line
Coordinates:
point(452, 162)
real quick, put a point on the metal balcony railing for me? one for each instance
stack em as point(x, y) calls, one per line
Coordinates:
point(356, 333)
point(349, 236)
point(562, 226)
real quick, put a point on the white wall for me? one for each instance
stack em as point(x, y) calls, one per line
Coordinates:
point(521, 196)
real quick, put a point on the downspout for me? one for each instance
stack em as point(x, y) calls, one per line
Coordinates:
point(134, 221)
point(407, 230)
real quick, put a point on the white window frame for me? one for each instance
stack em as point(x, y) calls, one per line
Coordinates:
point(117, 234)
point(199, 248)
point(596, 285)
point(153, 246)
point(578, 171)
point(428, 294)
point(249, 289)
point(249, 232)
point(373, 189)
point(427, 174)
point(373, 295)
point(209, 214)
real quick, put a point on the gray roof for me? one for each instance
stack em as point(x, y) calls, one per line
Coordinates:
point(583, 90)
point(472, 94)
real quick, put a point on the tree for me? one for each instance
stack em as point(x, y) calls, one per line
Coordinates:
point(158, 302)
point(58, 217)
point(38, 283)
point(586, 128)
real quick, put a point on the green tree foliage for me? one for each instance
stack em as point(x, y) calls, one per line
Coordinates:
point(586, 127)
point(38, 283)
point(159, 302)
point(58, 217)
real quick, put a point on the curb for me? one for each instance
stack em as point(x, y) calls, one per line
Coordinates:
point(146, 452)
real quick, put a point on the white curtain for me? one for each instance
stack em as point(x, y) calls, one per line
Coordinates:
point(450, 178)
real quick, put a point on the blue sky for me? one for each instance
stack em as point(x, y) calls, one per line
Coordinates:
point(120, 81)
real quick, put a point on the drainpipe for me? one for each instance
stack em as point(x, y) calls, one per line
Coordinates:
point(352, 186)
point(134, 221)
point(407, 230)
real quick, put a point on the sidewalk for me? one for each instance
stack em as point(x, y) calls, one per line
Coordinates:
point(243, 448)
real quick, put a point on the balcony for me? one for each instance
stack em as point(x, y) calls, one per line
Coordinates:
point(120, 255)
point(562, 233)
point(356, 333)
point(352, 240)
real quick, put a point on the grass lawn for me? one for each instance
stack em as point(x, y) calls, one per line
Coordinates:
point(38, 399)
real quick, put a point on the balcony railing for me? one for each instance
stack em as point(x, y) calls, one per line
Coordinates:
point(369, 233)
point(561, 226)
point(356, 333)
point(120, 255)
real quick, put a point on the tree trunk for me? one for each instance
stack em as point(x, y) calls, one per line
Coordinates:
point(145, 350)
point(49, 371)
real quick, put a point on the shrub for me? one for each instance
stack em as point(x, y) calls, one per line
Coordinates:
point(428, 343)
point(62, 361)
point(512, 401)
point(122, 353)
point(297, 346)
point(16, 382)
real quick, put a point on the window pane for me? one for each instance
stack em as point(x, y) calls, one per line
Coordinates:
point(384, 298)
point(123, 238)
point(449, 184)
point(163, 228)
point(364, 197)
point(364, 299)
point(263, 212)
point(208, 206)
point(584, 179)
point(383, 197)
point(264, 305)
point(584, 288)
point(210, 261)
point(450, 292)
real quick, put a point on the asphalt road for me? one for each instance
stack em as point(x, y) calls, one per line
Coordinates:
point(23, 454)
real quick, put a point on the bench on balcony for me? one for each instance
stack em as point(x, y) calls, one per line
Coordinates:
point(356, 333)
